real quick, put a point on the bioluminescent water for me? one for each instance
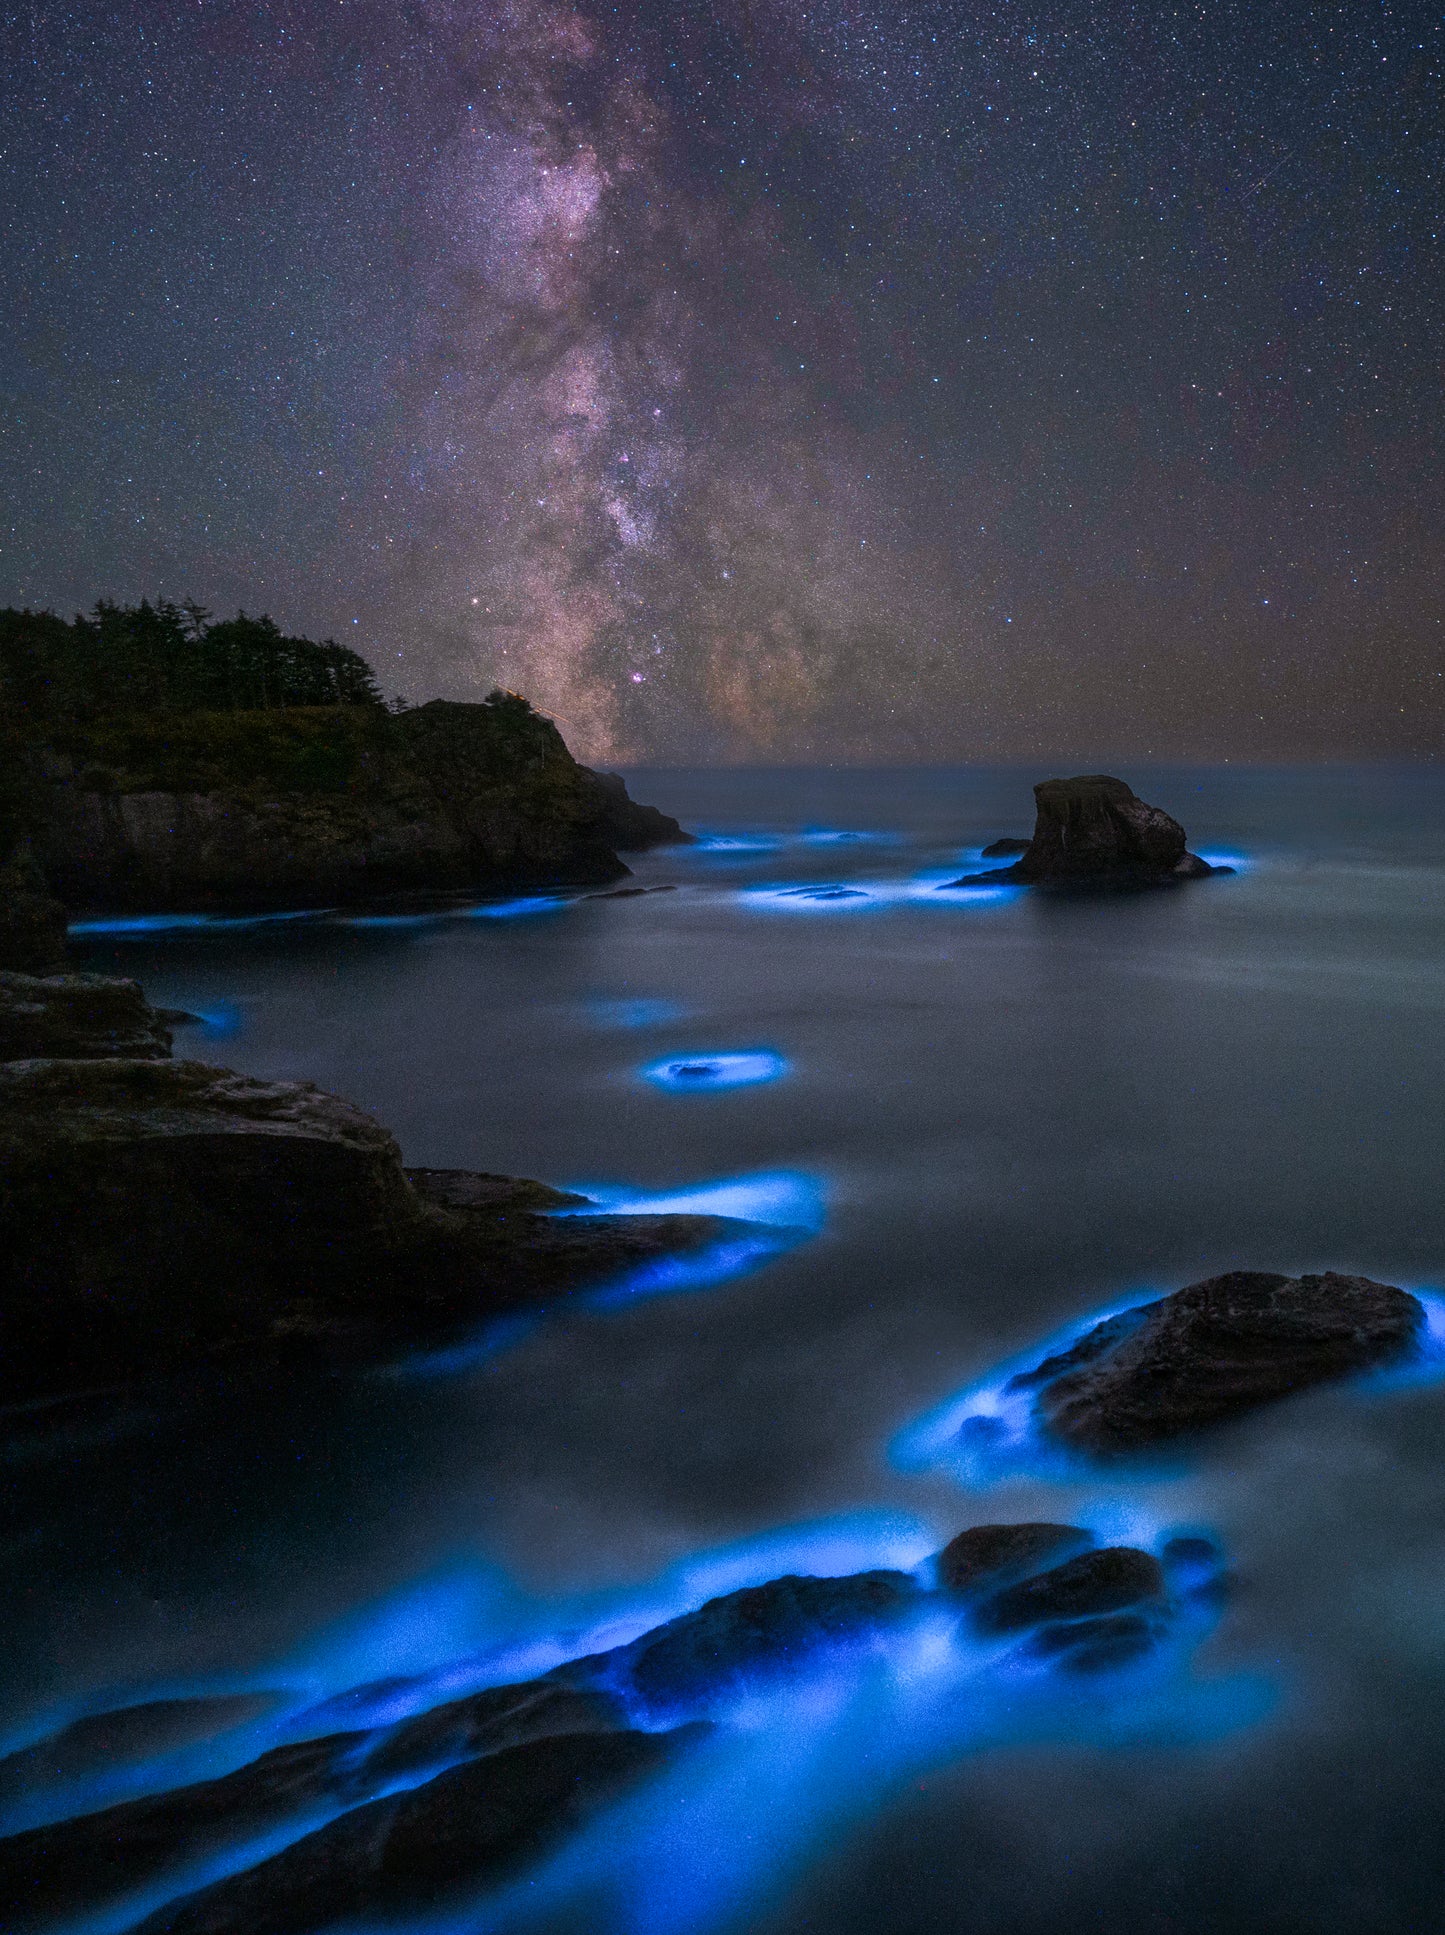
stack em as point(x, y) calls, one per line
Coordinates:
point(695, 1074)
point(1003, 1115)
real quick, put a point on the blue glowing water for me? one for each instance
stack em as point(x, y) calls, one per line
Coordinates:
point(697, 1074)
point(1003, 1116)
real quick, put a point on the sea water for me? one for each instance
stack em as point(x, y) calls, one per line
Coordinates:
point(975, 1117)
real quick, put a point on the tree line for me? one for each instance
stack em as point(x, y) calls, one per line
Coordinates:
point(165, 657)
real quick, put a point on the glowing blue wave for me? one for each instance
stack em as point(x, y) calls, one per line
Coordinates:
point(694, 1074)
point(635, 1012)
point(123, 924)
point(784, 1198)
point(931, 889)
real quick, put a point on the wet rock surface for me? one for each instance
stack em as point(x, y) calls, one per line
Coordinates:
point(1105, 1581)
point(1095, 831)
point(1217, 1350)
point(79, 1015)
point(123, 1735)
point(461, 1831)
point(32, 920)
point(180, 1208)
point(759, 1631)
point(495, 1777)
point(987, 1555)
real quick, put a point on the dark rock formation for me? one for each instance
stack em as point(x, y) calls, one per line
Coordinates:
point(50, 1873)
point(461, 1831)
point(324, 805)
point(153, 1209)
point(1105, 1581)
point(745, 1635)
point(1215, 1350)
point(510, 1769)
point(32, 920)
point(1004, 849)
point(1094, 831)
point(125, 1735)
point(83, 1015)
point(988, 1555)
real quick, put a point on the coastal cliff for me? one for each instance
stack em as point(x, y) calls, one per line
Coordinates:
point(318, 805)
point(154, 759)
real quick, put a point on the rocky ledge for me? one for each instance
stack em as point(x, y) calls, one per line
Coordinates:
point(492, 1780)
point(152, 1210)
point(316, 806)
point(1094, 831)
point(1214, 1351)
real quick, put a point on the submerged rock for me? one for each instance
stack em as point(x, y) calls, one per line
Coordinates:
point(1095, 831)
point(987, 1555)
point(461, 1831)
point(150, 1210)
point(1215, 1350)
point(79, 1015)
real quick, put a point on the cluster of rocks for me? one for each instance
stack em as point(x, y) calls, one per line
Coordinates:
point(449, 1801)
point(1090, 832)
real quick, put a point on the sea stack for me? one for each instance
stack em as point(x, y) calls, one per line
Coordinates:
point(1095, 831)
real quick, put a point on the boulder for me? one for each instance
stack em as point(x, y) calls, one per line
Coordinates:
point(78, 1015)
point(987, 1555)
point(1216, 1350)
point(1095, 831)
point(462, 1831)
point(150, 1210)
point(1105, 1581)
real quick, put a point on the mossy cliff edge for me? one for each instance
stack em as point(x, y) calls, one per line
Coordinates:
point(140, 785)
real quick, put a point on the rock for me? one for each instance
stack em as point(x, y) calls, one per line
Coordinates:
point(123, 1736)
point(150, 1210)
point(32, 920)
point(1095, 1645)
point(753, 1633)
point(462, 1831)
point(1095, 831)
point(319, 806)
point(1004, 849)
point(488, 1722)
point(78, 1015)
point(1104, 1581)
point(1216, 1350)
point(987, 1555)
point(626, 825)
point(50, 1873)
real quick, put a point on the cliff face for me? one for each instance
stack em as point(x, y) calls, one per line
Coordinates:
point(318, 805)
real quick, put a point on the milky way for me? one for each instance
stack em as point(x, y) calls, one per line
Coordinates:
point(777, 382)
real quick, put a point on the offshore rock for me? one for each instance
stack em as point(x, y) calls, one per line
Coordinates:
point(78, 1015)
point(150, 1210)
point(988, 1555)
point(1095, 831)
point(1216, 1350)
point(462, 1831)
point(317, 806)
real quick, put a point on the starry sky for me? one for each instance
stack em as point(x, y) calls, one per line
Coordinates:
point(753, 379)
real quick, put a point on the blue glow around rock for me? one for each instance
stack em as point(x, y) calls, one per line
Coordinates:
point(694, 1074)
point(123, 924)
point(783, 1198)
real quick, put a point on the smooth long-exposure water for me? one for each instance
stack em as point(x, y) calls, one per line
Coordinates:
point(982, 1116)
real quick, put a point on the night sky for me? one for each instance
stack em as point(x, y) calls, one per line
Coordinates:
point(754, 379)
